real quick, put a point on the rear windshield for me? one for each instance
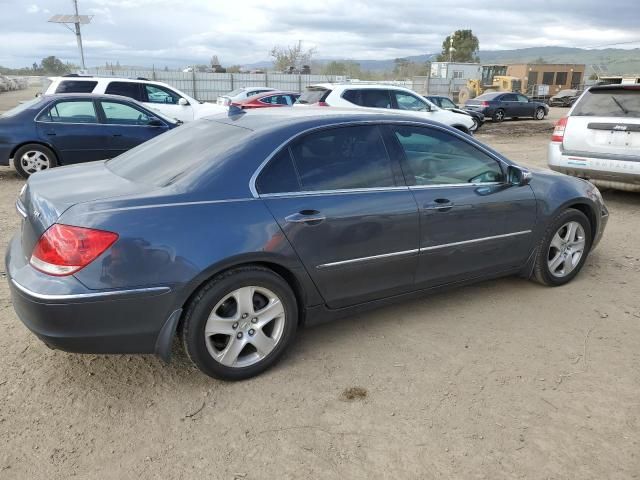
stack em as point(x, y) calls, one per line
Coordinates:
point(21, 107)
point(313, 95)
point(609, 103)
point(191, 148)
point(488, 96)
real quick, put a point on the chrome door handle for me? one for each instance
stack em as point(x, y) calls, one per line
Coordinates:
point(440, 204)
point(305, 216)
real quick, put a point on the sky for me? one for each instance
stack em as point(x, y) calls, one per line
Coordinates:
point(183, 32)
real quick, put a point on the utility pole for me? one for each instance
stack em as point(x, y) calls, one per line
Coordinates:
point(451, 49)
point(76, 20)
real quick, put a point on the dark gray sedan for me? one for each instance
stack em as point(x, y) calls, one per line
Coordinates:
point(234, 231)
point(500, 105)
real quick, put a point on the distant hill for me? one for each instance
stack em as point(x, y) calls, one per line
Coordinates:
point(616, 60)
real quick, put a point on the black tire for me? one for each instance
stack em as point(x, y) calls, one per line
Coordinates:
point(210, 294)
point(476, 125)
point(539, 114)
point(541, 271)
point(498, 115)
point(24, 170)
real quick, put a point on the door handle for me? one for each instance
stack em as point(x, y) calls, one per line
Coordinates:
point(439, 204)
point(117, 134)
point(51, 134)
point(312, 217)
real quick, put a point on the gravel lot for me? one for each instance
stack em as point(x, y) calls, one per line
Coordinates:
point(504, 379)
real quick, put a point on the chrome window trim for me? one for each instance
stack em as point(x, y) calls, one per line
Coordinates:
point(366, 259)
point(455, 185)
point(80, 296)
point(256, 173)
point(333, 192)
point(474, 240)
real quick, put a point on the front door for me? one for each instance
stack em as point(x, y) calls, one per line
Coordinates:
point(342, 204)
point(72, 127)
point(526, 108)
point(167, 102)
point(472, 223)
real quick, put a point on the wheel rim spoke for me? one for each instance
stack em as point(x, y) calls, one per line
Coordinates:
point(556, 262)
point(273, 310)
point(217, 325)
point(244, 299)
point(229, 356)
point(264, 344)
point(566, 249)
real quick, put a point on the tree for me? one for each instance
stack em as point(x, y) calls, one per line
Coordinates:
point(53, 65)
point(539, 60)
point(465, 47)
point(403, 68)
point(286, 57)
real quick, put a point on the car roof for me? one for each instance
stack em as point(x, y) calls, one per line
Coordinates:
point(94, 96)
point(365, 86)
point(89, 78)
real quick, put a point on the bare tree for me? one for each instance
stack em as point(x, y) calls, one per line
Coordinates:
point(291, 56)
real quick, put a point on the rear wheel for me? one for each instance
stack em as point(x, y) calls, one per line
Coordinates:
point(539, 115)
point(563, 249)
point(498, 115)
point(32, 158)
point(240, 323)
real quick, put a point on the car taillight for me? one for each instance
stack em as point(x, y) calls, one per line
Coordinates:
point(65, 249)
point(558, 130)
point(322, 104)
point(485, 103)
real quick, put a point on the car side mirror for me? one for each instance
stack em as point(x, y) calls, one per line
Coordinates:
point(518, 176)
point(155, 122)
point(183, 102)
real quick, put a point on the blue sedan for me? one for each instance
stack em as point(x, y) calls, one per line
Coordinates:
point(232, 232)
point(55, 130)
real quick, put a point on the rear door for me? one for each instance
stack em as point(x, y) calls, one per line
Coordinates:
point(605, 123)
point(72, 127)
point(472, 223)
point(343, 205)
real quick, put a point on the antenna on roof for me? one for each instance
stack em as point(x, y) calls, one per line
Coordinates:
point(77, 20)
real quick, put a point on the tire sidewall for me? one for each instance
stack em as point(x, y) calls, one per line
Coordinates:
point(537, 115)
point(213, 292)
point(33, 146)
point(542, 267)
point(498, 115)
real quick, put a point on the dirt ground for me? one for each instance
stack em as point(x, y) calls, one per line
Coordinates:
point(502, 380)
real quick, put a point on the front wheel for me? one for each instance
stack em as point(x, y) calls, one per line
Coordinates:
point(563, 249)
point(539, 115)
point(240, 323)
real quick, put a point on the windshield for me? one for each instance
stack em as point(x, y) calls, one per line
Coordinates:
point(20, 108)
point(609, 102)
point(192, 148)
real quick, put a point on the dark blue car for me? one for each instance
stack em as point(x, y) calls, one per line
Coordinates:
point(54, 130)
point(500, 105)
point(234, 231)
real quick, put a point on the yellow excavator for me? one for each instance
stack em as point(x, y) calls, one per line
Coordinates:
point(494, 79)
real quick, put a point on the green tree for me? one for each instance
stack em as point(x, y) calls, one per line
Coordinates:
point(464, 47)
point(539, 60)
point(54, 66)
point(291, 56)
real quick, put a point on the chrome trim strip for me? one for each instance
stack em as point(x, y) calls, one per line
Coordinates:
point(333, 192)
point(82, 296)
point(399, 121)
point(455, 185)
point(366, 259)
point(20, 209)
point(475, 240)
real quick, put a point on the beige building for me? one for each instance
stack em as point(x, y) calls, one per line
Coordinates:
point(558, 76)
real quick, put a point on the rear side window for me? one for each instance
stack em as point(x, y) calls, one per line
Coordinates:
point(76, 86)
point(313, 95)
point(70, 112)
point(609, 103)
point(279, 176)
point(126, 89)
point(368, 98)
point(342, 158)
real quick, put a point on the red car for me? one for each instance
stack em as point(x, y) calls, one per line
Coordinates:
point(268, 99)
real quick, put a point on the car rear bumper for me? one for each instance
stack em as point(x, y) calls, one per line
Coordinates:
point(66, 315)
point(604, 172)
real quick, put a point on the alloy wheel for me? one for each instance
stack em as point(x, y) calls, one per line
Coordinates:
point(566, 249)
point(245, 326)
point(33, 161)
point(540, 114)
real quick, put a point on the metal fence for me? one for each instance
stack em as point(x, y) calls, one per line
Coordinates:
point(208, 86)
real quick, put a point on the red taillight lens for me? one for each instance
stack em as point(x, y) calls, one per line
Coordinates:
point(322, 104)
point(65, 249)
point(558, 130)
point(485, 104)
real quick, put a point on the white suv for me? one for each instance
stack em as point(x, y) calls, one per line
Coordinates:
point(599, 139)
point(384, 97)
point(155, 95)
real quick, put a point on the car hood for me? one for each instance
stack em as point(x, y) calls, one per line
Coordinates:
point(207, 109)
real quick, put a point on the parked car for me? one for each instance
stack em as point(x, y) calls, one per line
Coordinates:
point(241, 94)
point(564, 98)
point(447, 104)
point(499, 105)
point(54, 130)
point(268, 99)
point(236, 231)
point(599, 139)
point(5, 84)
point(153, 95)
point(382, 97)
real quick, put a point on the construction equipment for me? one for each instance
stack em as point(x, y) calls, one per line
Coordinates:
point(494, 79)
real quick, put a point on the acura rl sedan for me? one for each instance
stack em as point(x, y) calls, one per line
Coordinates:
point(234, 231)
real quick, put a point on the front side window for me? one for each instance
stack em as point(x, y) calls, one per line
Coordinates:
point(434, 157)
point(522, 98)
point(342, 158)
point(76, 86)
point(70, 112)
point(120, 114)
point(156, 94)
point(406, 101)
point(125, 89)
